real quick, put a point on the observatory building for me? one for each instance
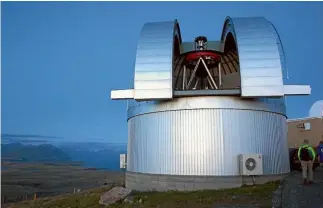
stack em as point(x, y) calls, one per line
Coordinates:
point(207, 114)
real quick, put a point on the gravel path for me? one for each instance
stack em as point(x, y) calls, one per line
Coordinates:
point(296, 195)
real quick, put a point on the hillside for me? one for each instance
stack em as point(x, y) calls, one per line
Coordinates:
point(250, 196)
point(88, 153)
point(31, 153)
point(47, 179)
point(103, 159)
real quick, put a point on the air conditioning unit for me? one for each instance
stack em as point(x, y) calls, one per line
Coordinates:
point(251, 164)
point(123, 161)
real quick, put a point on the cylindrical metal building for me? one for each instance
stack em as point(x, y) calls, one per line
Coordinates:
point(202, 107)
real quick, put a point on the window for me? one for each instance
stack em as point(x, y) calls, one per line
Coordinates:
point(304, 126)
point(307, 126)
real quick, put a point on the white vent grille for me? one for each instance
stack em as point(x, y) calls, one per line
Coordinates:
point(123, 161)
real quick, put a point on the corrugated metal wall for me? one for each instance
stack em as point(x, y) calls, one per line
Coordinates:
point(260, 56)
point(154, 60)
point(275, 105)
point(206, 141)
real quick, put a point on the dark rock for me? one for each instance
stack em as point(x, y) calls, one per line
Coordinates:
point(129, 199)
point(113, 195)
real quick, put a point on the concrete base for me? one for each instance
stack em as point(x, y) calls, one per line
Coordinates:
point(154, 182)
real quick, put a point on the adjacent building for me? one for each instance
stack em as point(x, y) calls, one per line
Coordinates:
point(310, 128)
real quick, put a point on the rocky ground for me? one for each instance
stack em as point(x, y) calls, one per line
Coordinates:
point(291, 194)
point(247, 196)
point(296, 195)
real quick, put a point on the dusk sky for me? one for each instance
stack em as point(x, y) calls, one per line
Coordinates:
point(60, 60)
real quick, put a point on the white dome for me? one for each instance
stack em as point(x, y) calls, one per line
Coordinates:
point(316, 109)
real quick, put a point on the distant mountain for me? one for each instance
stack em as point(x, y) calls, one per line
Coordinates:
point(32, 153)
point(104, 156)
point(92, 154)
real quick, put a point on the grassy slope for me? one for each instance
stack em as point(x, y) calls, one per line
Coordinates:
point(29, 178)
point(260, 195)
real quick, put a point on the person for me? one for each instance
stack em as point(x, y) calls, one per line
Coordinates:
point(320, 152)
point(306, 155)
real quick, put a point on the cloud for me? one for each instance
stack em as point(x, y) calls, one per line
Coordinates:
point(93, 146)
point(94, 143)
point(24, 140)
point(12, 136)
point(27, 138)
